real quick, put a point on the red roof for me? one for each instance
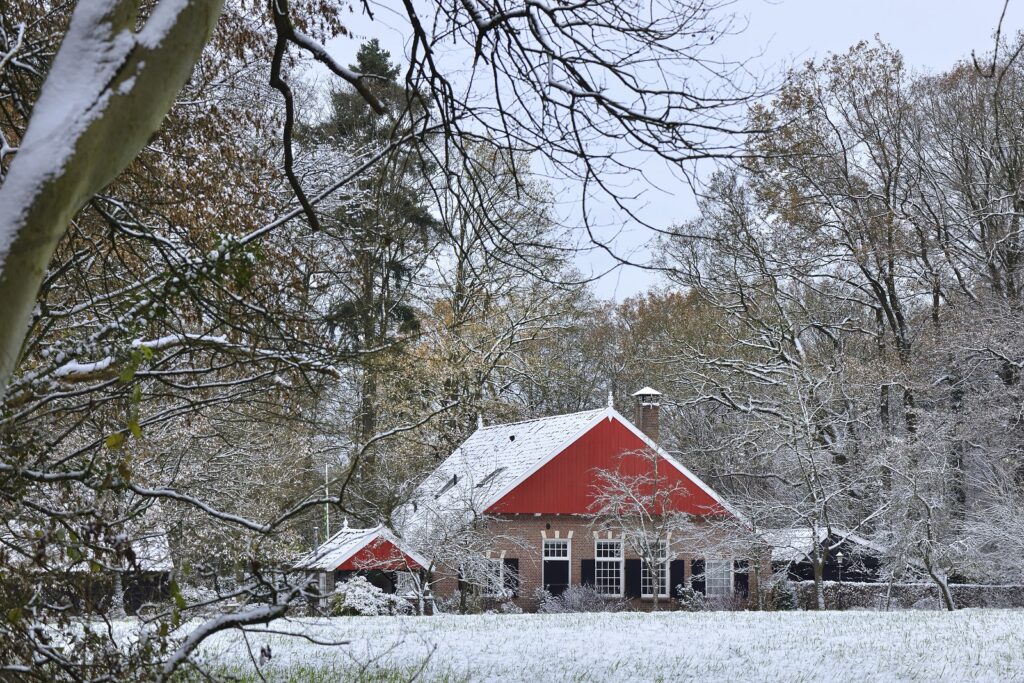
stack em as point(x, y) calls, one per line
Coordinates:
point(568, 482)
point(354, 549)
point(380, 554)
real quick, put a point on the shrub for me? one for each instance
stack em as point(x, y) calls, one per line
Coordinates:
point(510, 608)
point(359, 597)
point(578, 599)
point(460, 602)
point(782, 597)
point(690, 600)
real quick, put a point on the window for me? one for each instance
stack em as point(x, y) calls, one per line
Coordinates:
point(718, 575)
point(407, 584)
point(608, 567)
point(647, 578)
point(556, 549)
point(490, 477)
point(451, 482)
point(556, 565)
point(493, 578)
point(486, 574)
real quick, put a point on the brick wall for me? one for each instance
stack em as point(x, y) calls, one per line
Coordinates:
point(522, 536)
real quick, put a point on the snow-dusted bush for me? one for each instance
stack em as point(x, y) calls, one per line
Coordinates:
point(505, 608)
point(510, 608)
point(577, 599)
point(202, 600)
point(927, 603)
point(459, 602)
point(920, 595)
point(690, 600)
point(782, 597)
point(359, 597)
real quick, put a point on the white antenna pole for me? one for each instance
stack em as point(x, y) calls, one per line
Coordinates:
point(327, 505)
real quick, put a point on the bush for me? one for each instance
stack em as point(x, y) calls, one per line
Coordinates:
point(920, 595)
point(510, 608)
point(359, 597)
point(782, 597)
point(577, 599)
point(460, 603)
point(690, 600)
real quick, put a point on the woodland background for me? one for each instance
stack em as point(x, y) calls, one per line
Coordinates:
point(838, 333)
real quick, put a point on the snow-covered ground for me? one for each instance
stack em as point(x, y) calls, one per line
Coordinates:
point(791, 646)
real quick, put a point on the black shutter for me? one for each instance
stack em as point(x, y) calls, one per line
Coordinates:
point(587, 572)
point(633, 578)
point(676, 576)
point(512, 576)
point(697, 582)
point(740, 578)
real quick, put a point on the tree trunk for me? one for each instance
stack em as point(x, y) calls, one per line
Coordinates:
point(818, 561)
point(117, 598)
point(942, 581)
point(106, 93)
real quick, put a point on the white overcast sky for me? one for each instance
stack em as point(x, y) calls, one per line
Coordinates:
point(931, 34)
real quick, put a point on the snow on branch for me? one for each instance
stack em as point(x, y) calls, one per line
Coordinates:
point(262, 614)
point(107, 91)
point(110, 367)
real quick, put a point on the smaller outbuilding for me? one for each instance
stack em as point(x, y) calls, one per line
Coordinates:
point(375, 553)
point(851, 557)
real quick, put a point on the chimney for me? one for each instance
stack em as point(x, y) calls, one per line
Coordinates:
point(648, 402)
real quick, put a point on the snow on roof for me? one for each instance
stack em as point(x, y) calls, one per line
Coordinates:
point(495, 457)
point(790, 545)
point(795, 545)
point(647, 391)
point(336, 550)
point(484, 467)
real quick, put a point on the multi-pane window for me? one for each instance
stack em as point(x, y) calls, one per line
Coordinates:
point(648, 580)
point(488, 574)
point(608, 567)
point(718, 577)
point(406, 584)
point(556, 549)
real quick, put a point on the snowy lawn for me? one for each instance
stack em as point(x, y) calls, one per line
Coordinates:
point(790, 646)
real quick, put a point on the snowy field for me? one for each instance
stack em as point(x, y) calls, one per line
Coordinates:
point(985, 645)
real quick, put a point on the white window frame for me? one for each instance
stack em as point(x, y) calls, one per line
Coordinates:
point(730, 583)
point(474, 580)
point(662, 571)
point(598, 560)
point(485, 590)
point(544, 557)
point(406, 584)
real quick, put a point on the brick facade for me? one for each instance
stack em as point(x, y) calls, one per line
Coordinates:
point(521, 537)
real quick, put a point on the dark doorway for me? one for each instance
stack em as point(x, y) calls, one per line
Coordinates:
point(386, 581)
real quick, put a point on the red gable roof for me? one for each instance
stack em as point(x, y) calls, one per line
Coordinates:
point(354, 549)
point(567, 483)
point(380, 554)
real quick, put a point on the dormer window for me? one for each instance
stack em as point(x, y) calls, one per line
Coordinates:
point(451, 482)
point(490, 477)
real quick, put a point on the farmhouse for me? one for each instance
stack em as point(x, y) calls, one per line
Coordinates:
point(524, 506)
point(586, 498)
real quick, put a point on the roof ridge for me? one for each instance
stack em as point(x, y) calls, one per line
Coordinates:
point(538, 419)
